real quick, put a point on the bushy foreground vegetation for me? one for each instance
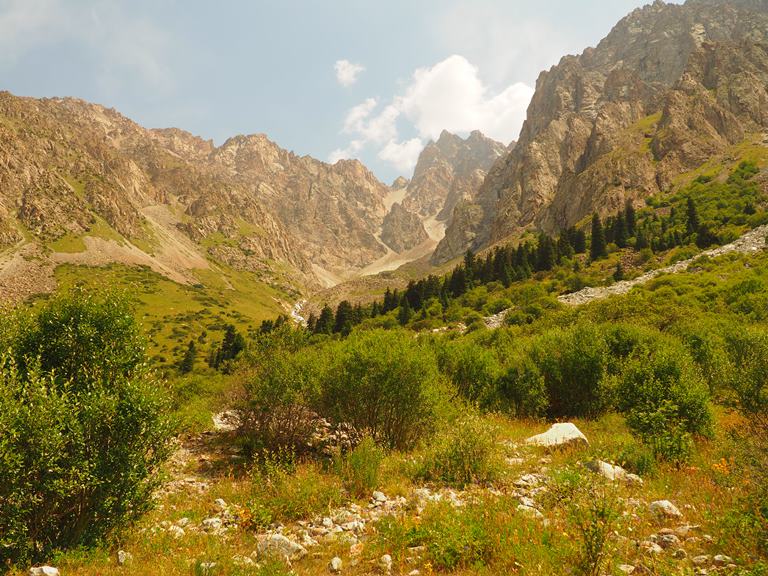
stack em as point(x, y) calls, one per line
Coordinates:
point(83, 426)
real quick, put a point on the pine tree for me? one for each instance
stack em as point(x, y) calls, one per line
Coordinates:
point(618, 275)
point(545, 254)
point(631, 219)
point(692, 213)
point(188, 361)
point(405, 313)
point(579, 242)
point(311, 322)
point(597, 248)
point(325, 322)
point(344, 317)
point(620, 231)
point(469, 267)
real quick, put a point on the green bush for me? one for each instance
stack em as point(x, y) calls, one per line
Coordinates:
point(522, 390)
point(385, 382)
point(664, 399)
point(283, 491)
point(467, 453)
point(594, 514)
point(83, 425)
point(471, 368)
point(359, 469)
point(573, 364)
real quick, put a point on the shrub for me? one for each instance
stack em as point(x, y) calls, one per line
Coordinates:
point(573, 365)
point(594, 514)
point(664, 399)
point(283, 491)
point(522, 389)
point(83, 425)
point(385, 382)
point(359, 469)
point(471, 368)
point(466, 454)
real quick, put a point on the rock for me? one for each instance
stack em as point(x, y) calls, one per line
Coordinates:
point(722, 560)
point(379, 497)
point(277, 545)
point(665, 509)
point(220, 504)
point(680, 554)
point(613, 472)
point(335, 565)
point(668, 540)
point(43, 571)
point(414, 573)
point(213, 524)
point(207, 567)
point(402, 229)
point(176, 531)
point(529, 511)
point(651, 547)
point(560, 435)
point(124, 557)
point(626, 568)
point(385, 563)
point(701, 560)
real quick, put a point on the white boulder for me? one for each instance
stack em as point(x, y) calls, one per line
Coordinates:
point(558, 436)
point(281, 547)
point(613, 472)
point(665, 509)
point(43, 571)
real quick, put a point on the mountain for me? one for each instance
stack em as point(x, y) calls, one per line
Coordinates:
point(669, 87)
point(80, 183)
point(447, 171)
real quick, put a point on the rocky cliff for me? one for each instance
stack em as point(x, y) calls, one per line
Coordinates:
point(81, 183)
point(670, 86)
point(402, 230)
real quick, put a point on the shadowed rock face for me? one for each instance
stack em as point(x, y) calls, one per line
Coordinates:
point(66, 164)
point(667, 88)
point(402, 230)
point(449, 171)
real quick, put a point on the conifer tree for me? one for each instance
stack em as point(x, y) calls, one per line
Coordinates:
point(631, 219)
point(620, 231)
point(188, 361)
point(344, 317)
point(325, 321)
point(405, 313)
point(597, 247)
point(692, 213)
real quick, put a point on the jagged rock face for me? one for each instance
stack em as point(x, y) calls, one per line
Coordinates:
point(65, 164)
point(402, 229)
point(448, 171)
point(667, 88)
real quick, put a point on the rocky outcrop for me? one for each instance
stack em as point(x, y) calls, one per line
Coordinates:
point(402, 229)
point(561, 435)
point(448, 171)
point(669, 86)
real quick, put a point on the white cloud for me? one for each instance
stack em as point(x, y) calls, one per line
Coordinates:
point(402, 155)
point(447, 96)
point(347, 72)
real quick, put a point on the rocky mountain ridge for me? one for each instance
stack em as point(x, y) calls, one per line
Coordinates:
point(670, 86)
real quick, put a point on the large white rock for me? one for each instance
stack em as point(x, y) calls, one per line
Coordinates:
point(281, 547)
point(43, 571)
point(612, 472)
point(665, 509)
point(559, 436)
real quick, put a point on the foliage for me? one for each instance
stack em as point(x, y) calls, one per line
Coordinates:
point(467, 453)
point(594, 514)
point(359, 469)
point(83, 425)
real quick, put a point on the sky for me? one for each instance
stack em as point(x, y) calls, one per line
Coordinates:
point(368, 79)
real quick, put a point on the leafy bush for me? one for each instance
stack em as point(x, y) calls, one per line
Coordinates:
point(467, 453)
point(83, 425)
point(573, 363)
point(594, 514)
point(664, 399)
point(385, 382)
point(522, 389)
point(471, 368)
point(283, 491)
point(359, 469)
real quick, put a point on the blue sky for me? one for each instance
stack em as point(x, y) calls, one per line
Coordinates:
point(331, 78)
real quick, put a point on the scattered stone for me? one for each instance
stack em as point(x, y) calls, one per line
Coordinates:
point(207, 567)
point(626, 568)
point(559, 436)
point(613, 472)
point(282, 547)
point(722, 560)
point(227, 421)
point(379, 497)
point(665, 509)
point(176, 531)
point(335, 565)
point(244, 561)
point(43, 571)
point(385, 563)
point(668, 540)
point(220, 504)
point(124, 557)
point(651, 547)
point(213, 524)
point(530, 511)
point(414, 573)
point(701, 560)
point(680, 554)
